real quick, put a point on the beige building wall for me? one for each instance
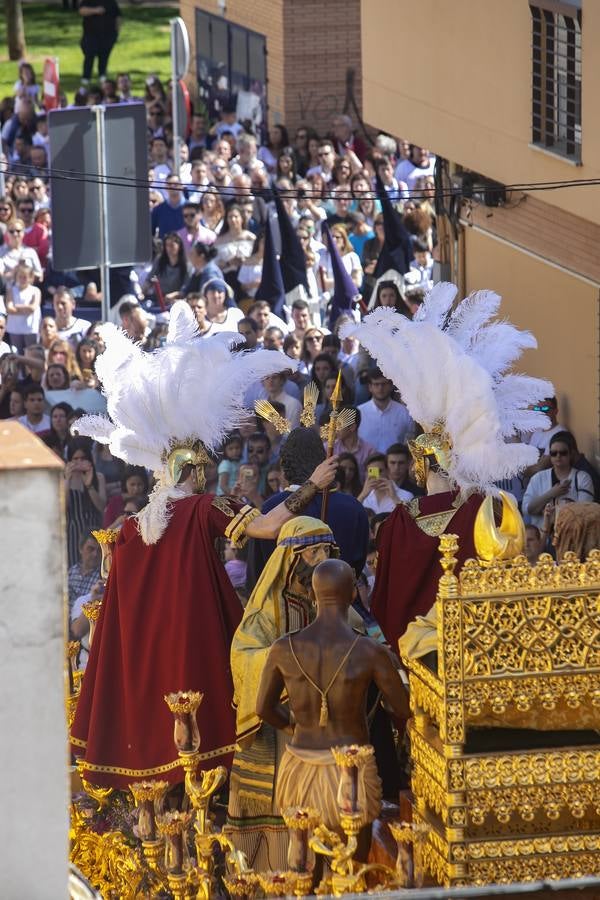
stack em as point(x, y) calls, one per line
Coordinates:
point(456, 77)
point(563, 313)
point(310, 46)
point(322, 42)
point(462, 87)
point(34, 757)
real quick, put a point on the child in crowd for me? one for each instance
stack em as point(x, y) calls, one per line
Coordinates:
point(23, 305)
point(235, 566)
point(26, 85)
point(229, 466)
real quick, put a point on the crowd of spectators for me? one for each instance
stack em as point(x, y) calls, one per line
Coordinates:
point(210, 227)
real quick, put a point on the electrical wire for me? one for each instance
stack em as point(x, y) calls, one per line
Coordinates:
point(267, 193)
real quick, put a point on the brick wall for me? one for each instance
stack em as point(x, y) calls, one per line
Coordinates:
point(310, 46)
point(322, 42)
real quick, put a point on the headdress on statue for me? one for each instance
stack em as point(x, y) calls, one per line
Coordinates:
point(267, 411)
point(174, 406)
point(452, 368)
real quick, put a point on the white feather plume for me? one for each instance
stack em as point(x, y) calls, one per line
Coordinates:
point(191, 388)
point(98, 427)
point(182, 327)
point(450, 366)
point(471, 314)
point(437, 304)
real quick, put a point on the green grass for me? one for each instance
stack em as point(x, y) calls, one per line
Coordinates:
point(143, 45)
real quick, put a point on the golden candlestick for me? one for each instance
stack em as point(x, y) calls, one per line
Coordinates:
point(148, 797)
point(345, 877)
point(106, 537)
point(73, 648)
point(350, 760)
point(277, 884)
point(407, 835)
point(243, 886)
point(100, 794)
point(184, 706)
point(199, 790)
point(173, 826)
point(91, 611)
point(300, 822)
point(178, 886)
point(75, 676)
point(154, 854)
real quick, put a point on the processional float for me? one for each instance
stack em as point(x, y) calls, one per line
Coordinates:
point(505, 751)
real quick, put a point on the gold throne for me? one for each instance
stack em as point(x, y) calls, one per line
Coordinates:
point(504, 740)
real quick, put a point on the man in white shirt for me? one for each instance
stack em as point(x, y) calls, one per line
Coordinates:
point(260, 312)
point(327, 157)
point(69, 327)
point(197, 136)
point(160, 162)
point(34, 419)
point(562, 483)
point(276, 393)
point(259, 391)
point(244, 162)
point(395, 190)
point(422, 266)
point(199, 181)
point(380, 494)
point(418, 165)
point(384, 421)
point(301, 320)
point(39, 192)
point(541, 439)
point(134, 321)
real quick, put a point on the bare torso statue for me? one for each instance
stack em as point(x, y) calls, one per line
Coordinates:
point(326, 670)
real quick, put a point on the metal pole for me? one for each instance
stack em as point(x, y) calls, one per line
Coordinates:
point(3, 168)
point(103, 207)
point(174, 85)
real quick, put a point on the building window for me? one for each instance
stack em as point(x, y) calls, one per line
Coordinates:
point(556, 77)
point(231, 68)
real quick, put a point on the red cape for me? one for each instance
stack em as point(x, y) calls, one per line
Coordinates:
point(166, 624)
point(408, 561)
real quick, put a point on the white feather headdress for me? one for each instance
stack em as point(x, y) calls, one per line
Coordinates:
point(191, 389)
point(452, 368)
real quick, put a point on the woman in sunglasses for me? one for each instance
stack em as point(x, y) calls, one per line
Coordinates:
point(14, 252)
point(7, 214)
point(561, 483)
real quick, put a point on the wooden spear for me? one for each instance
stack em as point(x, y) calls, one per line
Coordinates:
point(336, 399)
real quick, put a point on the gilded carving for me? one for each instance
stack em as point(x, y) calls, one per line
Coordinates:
point(517, 646)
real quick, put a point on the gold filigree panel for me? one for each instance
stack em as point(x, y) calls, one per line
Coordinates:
point(503, 803)
point(553, 702)
point(551, 867)
point(423, 698)
point(533, 769)
point(531, 634)
point(561, 843)
point(519, 577)
point(425, 756)
point(435, 797)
